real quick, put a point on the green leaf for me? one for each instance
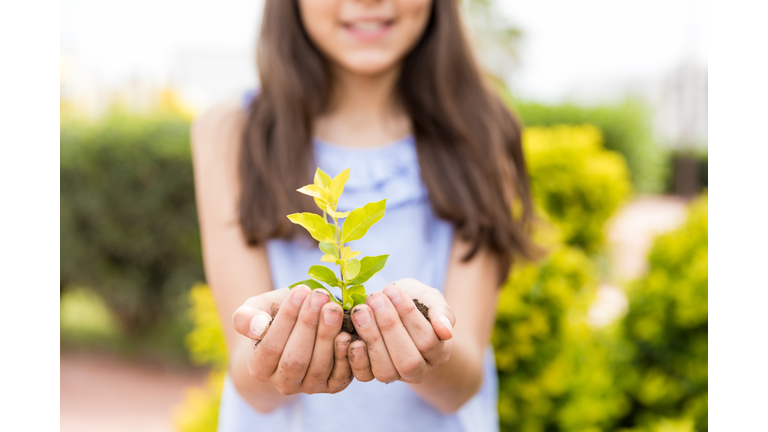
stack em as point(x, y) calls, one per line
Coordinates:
point(358, 222)
point(328, 258)
point(357, 289)
point(329, 248)
point(351, 269)
point(317, 227)
point(338, 182)
point(315, 191)
point(322, 179)
point(324, 274)
point(358, 299)
point(369, 266)
point(313, 284)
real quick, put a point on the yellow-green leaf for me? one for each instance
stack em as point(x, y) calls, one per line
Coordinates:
point(358, 222)
point(334, 214)
point(328, 258)
point(324, 274)
point(315, 191)
point(351, 269)
point(322, 179)
point(329, 248)
point(338, 182)
point(320, 203)
point(315, 224)
point(369, 266)
point(347, 253)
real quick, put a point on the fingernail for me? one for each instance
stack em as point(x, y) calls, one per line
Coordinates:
point(298, 297)
point(342, 345)
point(259, 325)
point(447, 323)
point(392, 293)
point(358, 352)
point(331, 317)
point(375, 302)
point(362, 317)
point(319, 298)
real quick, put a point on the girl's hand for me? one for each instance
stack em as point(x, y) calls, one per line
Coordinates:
point(398, 342)
point(303, 351)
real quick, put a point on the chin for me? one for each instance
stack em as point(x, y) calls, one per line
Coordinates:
point(369, 64)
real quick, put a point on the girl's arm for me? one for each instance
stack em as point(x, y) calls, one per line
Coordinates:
point(442, 362)
point(304, 351)
point(234, 271)
point(471, 289)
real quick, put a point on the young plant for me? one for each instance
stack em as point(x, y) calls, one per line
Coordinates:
point(353, 273)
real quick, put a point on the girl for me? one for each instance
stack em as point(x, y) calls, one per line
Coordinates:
point(388, 88)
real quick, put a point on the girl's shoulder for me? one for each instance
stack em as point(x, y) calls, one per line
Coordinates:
point(218, 128)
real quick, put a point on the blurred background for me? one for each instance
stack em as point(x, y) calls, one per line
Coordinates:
point(609, 333)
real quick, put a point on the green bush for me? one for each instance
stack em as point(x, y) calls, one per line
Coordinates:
point(553, 375)
point(667, 326)
point(128, 220)
point(577, 183)
point(626, 129)
point(199, 411)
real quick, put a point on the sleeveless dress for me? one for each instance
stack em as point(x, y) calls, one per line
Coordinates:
point(418, 244)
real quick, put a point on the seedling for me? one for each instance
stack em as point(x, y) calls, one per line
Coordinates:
point(353, 273)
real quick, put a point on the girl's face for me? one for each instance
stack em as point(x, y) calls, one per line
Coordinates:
point(365, 37)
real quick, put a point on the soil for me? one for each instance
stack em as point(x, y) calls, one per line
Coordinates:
point(349, 327)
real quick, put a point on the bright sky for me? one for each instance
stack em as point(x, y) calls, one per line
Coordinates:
point(568, 45)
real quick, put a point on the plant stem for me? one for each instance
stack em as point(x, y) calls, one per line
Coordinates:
point(343, 286)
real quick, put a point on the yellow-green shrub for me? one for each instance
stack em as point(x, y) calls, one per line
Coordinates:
point(577, 182)
point(199, 412)
point(553, 375)
point(667, 326)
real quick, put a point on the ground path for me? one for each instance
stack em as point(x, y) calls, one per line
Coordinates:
point(106, 394)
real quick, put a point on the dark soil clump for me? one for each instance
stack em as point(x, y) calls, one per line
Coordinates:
point(349, 327)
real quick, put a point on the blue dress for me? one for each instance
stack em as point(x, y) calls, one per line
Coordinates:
point(418, 244)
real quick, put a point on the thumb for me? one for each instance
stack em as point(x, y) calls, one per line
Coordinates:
point(251, 322)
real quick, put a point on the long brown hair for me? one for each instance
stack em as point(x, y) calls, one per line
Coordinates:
point(468, 143)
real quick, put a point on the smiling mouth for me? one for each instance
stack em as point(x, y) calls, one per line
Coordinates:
point(369, 29)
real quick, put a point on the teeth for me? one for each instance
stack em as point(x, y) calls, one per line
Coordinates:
point(368, 26)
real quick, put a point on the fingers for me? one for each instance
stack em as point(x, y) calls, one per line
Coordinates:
point(419, 329)
point(440, 313)
point(297, 354)
point(253, 318)
point(322, 362)
point(341, 375)
point(381, 364)
point(358, 361)
point(408, 361)
point(263, 363)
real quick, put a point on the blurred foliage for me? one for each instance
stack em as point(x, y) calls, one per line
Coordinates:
point(577, 183)
point(87, 323)
point(199, 411)
point(128, 219)
point(667, 324)
point(552, 375)
point(626, 128)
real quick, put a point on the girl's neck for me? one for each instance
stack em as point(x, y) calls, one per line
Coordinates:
point(364, 111)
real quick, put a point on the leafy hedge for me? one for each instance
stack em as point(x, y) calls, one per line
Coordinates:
point(577, 182)
point(626, 129)
point(667, 324)
point(128, 219)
